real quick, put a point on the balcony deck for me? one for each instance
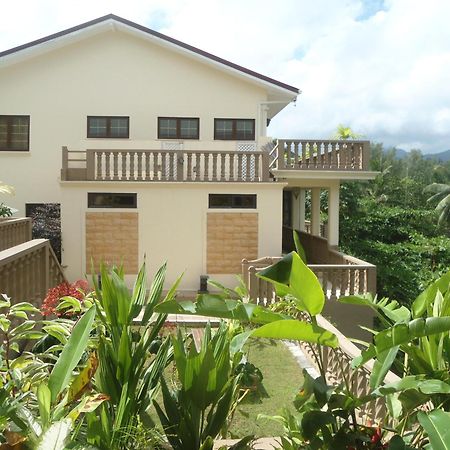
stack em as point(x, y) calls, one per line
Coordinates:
point(285, 159)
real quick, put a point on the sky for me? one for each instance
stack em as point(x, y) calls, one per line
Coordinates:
point(381, 67)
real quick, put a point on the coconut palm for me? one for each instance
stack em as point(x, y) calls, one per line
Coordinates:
point(345, 133)
point(441, 194)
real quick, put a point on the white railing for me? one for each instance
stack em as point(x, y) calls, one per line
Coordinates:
point(166, 165)
point(321, 154)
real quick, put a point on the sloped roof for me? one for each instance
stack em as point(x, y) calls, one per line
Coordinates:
point(189, 48)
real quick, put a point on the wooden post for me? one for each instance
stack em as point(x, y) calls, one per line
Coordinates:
point(372, 280)
point(365, 155)
point(65, 163)
point(315, 211)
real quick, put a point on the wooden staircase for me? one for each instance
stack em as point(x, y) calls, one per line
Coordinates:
point(28, 267)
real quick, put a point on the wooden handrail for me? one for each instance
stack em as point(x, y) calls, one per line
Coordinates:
point(28, 270)
point(14, 232)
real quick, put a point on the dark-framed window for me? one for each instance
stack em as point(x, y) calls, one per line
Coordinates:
point(234, 129)
point(116, 127)
point(112, 200)
point(178, 127)
point(15, 133)
point(232, 201)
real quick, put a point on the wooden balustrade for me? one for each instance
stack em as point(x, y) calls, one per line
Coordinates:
point(320, 154)
point(167, 165)
point(28, 270)
point(14, 232)
point(338, 274)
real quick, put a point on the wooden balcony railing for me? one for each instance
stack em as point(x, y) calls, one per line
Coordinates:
point(338, 274)
point(165, 165)
point(28, 270)
point(14, 232)
point(319, 154)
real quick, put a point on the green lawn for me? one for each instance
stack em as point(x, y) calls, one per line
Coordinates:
point(282, 379)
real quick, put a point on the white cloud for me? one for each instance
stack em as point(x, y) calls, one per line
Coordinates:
point(383, 68)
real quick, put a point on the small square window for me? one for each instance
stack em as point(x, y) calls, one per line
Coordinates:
point(15, 133)
point(108, 127)
point(178, 128)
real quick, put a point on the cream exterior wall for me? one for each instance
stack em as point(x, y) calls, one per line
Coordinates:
point(113, 73)
point(172, 225)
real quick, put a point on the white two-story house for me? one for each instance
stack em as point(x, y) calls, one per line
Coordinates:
point(156, 149)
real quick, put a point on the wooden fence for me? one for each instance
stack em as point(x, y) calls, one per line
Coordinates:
point(14, 232)
point(28, 270)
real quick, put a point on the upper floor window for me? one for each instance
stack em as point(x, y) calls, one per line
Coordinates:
point(108, 127)
point(178, 128)
point(15, 133)
point(234, 129)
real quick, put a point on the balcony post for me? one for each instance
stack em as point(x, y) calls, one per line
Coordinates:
point(365, 155)
point(333, 215)
point(315, 211)
point(65, 163)
point(280, 154)
point(298, 209)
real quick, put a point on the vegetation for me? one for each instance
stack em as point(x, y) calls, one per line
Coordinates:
point(390, 223)
point(5, 211)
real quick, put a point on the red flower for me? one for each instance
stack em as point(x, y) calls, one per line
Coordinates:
point(78, 290)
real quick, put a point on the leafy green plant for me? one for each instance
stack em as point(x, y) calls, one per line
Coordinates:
point(43, 408)
point(250, 375)
point(5, 211)
point(195, 411)
point(415, 342)
point(130, 364)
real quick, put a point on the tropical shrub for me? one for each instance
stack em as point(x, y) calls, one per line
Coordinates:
point(196, 410)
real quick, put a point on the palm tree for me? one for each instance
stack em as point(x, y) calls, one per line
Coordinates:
point(345, 133)
point(441, 194)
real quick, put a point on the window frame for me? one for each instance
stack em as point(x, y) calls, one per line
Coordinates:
point(91, 204)
point(108, 127)
point(234, 136)
point(233, 197)
point(9, 118)
point(178, 136)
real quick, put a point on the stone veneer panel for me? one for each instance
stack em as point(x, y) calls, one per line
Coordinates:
point(230, 238)
point(112, 237)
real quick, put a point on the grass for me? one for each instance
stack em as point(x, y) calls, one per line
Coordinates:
point(282, 379)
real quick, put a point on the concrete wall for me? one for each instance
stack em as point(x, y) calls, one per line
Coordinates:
point(172, 225)
point(112, 73)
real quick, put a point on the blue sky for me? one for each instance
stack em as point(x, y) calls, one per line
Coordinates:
point(381, 67)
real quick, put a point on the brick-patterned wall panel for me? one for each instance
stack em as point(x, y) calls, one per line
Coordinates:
point(112, 237)
point(230, 238)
